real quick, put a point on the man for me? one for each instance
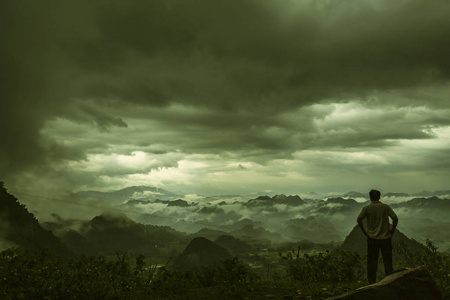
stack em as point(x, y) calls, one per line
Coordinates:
point(378, 234)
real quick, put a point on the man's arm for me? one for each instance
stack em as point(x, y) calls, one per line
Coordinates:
point(394, 221)
point(394, 224)
point(360, 223)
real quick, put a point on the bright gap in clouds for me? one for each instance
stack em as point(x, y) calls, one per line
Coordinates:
point(353, 114)
point(135, 160)
point(322, 147)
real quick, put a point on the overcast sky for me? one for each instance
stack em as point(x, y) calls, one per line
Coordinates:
point(223, 97)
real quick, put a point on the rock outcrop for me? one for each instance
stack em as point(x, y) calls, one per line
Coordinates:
point(411, 284)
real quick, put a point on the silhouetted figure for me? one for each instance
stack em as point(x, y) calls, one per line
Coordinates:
point(378, 234)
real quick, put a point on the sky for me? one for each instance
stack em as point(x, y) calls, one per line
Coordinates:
point(225, 97)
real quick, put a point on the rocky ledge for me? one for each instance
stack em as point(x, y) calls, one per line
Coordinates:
point(410, 284)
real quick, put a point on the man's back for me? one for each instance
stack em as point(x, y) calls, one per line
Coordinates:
point(377, 214)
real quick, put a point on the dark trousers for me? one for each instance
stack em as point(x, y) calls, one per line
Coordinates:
point(373, 249)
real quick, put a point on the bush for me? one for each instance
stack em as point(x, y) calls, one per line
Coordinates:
point(232, 278)
point(438, 264)
point(338, 266)
point(38, 275)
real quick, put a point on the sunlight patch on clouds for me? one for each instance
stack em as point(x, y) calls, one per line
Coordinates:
point(341, 157)
point(443, 133)
point(355, 114)
point(159, 178)
point(136, 162)
point(192, 165)
point(335, 136)
point(345, 111)
point(206, 173)
point(441, 140)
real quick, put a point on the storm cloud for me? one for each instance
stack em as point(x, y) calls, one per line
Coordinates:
point(217, 96)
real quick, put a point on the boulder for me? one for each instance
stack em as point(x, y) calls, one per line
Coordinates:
point(410, 284)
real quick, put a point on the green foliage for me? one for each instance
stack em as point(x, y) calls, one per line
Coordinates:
point(337, 266)
point(229, 279)
point(26, 274)
point(234, 273)
point(37, 275)
point(438, 264)
point(324, 274)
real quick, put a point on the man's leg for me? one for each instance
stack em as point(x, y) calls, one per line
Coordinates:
point(386, 252)
point(372, 259)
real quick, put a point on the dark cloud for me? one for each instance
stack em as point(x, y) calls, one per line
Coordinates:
point(250, 53)
point(35, 77)
point(253, 79)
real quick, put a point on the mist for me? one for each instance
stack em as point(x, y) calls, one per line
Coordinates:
point(321, 220)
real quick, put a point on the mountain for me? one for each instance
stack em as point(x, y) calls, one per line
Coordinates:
point(139, 202)
point(395, 195)
point(131, 193)
point(20, 228)
point(179, 203)
point(232, 244)
point(432, 193)
point(133, 203)
point(208, 233)
point(116, 232)
point(244, 222)
point(288, 200)
point(201, 252)
point(425, 203)
point(354, 194)
point(277, 199)
point(109, 233)
point(313, 228)
point(78, 243)
point(258, 234)
point(339, 204)
point(356, 241)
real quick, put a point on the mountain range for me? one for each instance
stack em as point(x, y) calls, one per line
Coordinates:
point(162, 227)
point(150, 193)
point(142, 193)
point(282, 227)
point(278, 214)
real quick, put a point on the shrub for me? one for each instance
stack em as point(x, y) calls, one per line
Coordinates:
point(438, 264)
point(337, 266)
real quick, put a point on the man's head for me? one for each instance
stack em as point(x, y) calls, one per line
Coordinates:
point(374, 195)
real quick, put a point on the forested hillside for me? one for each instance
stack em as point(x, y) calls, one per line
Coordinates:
point(19, 227)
